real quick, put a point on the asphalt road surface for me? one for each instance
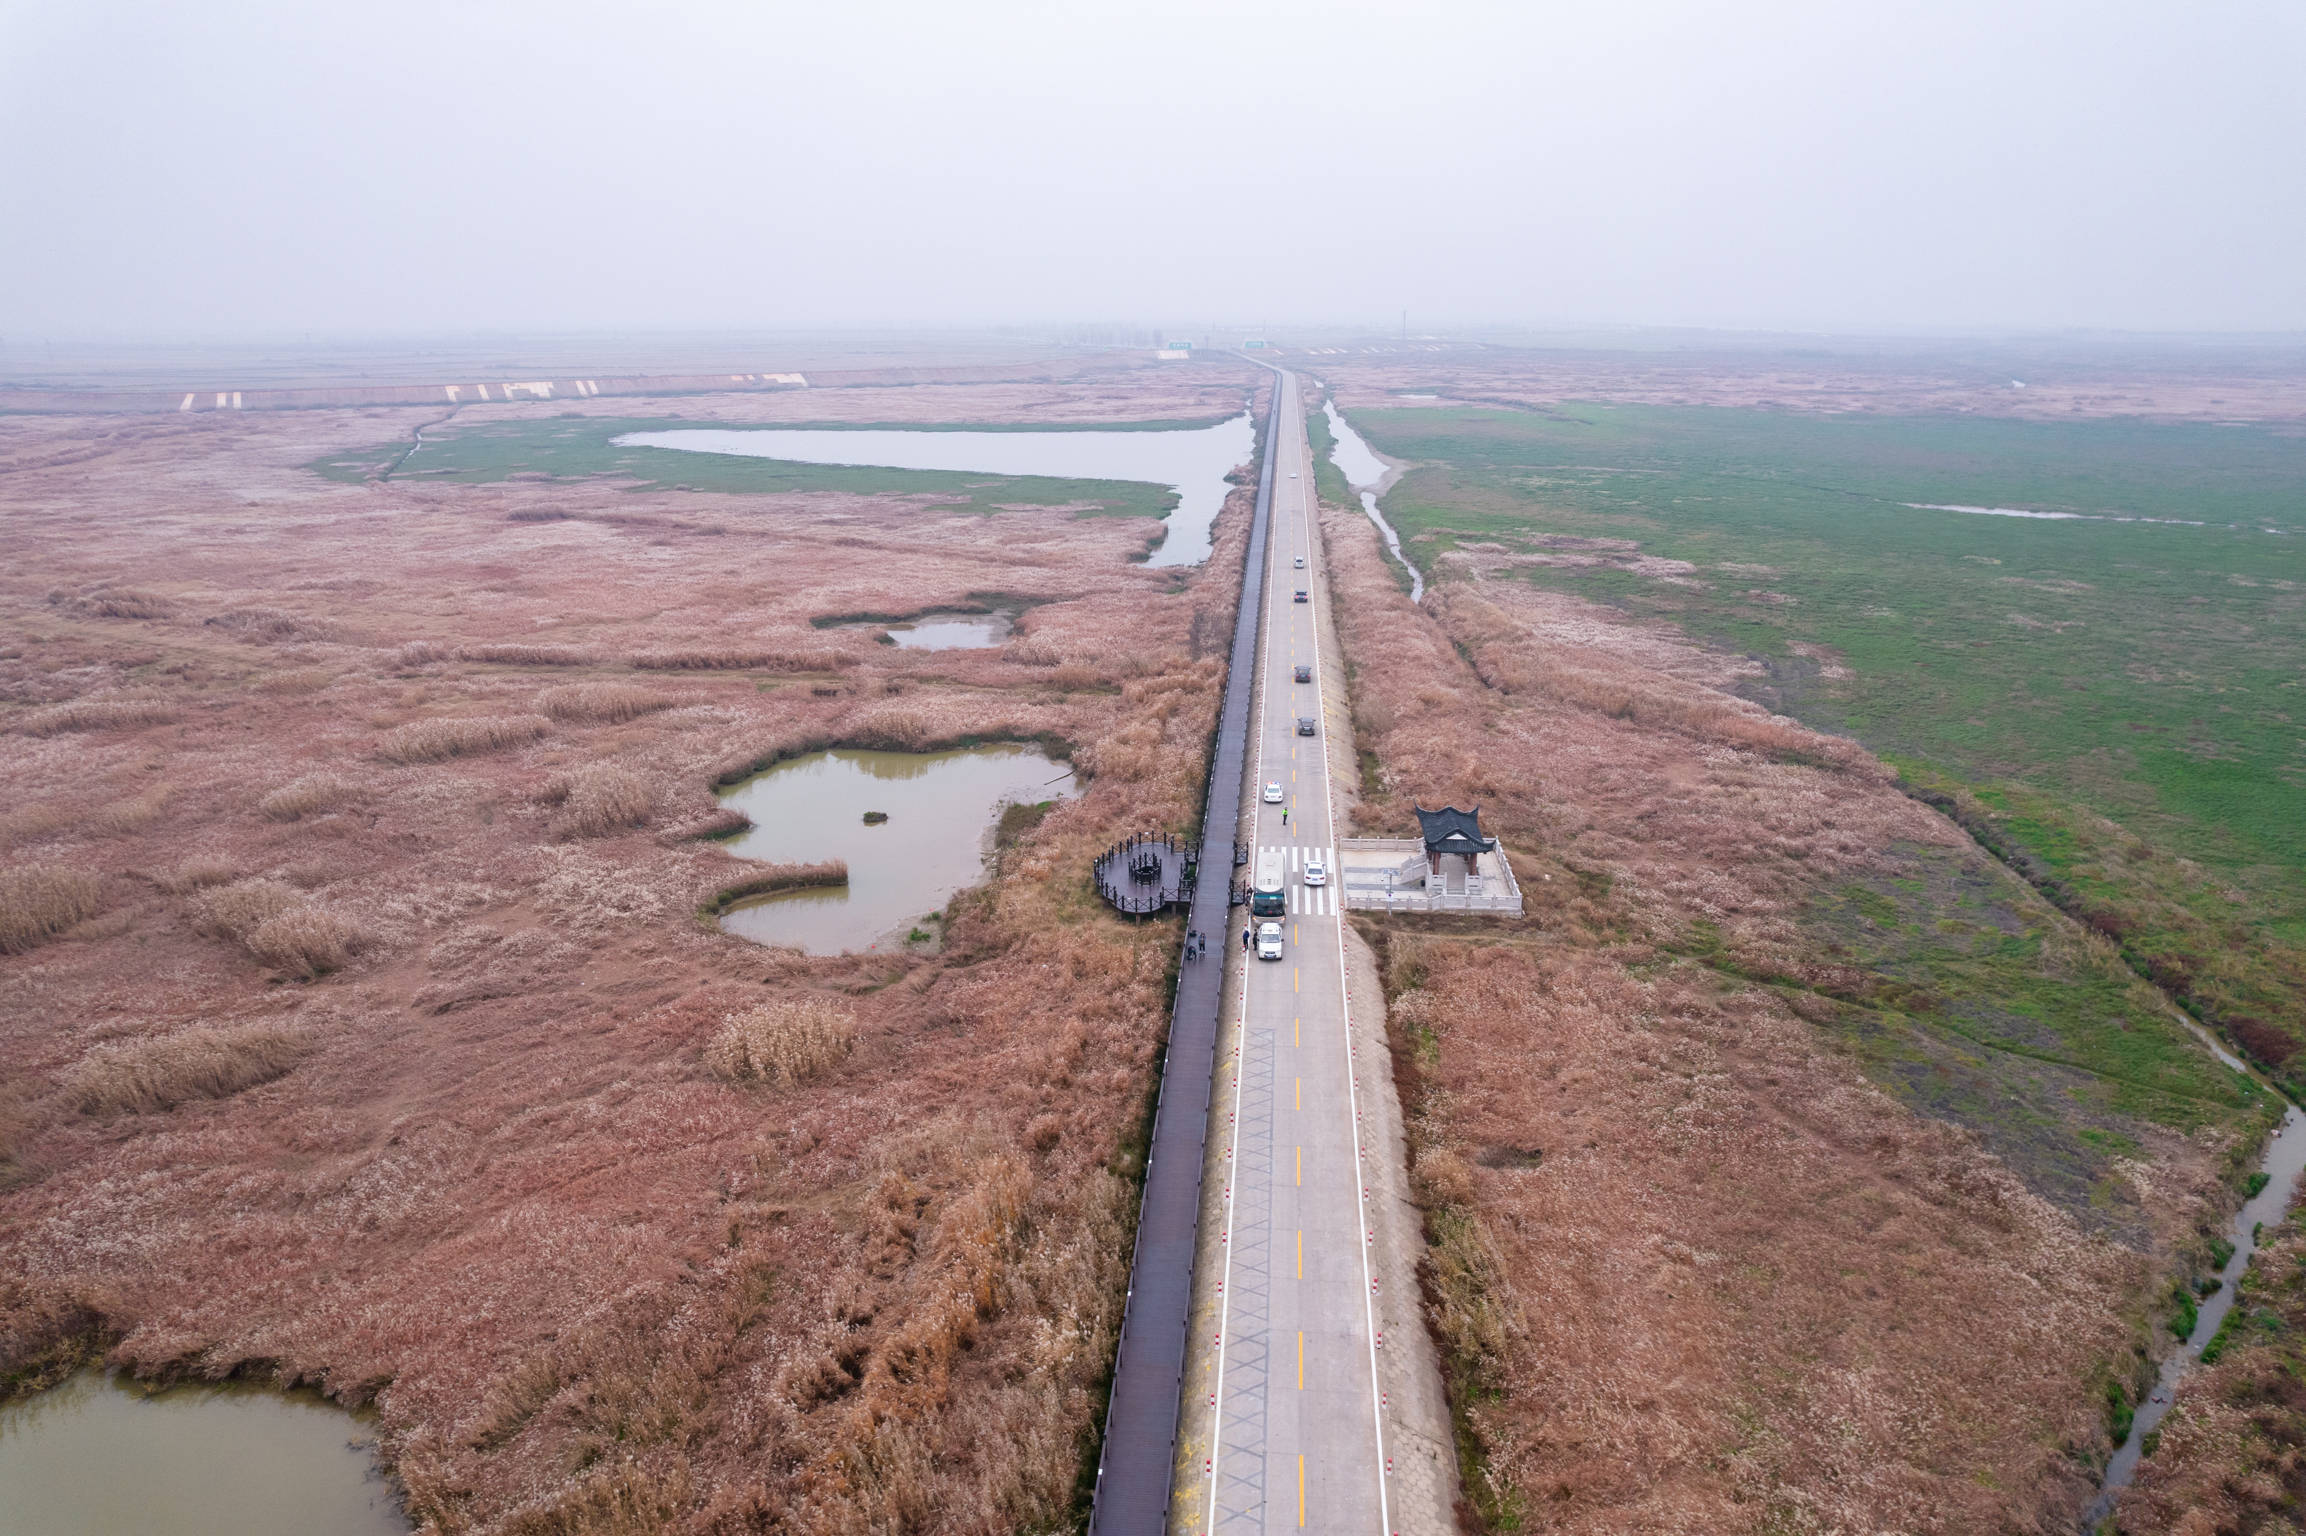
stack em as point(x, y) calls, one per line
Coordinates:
point(1299, 1437)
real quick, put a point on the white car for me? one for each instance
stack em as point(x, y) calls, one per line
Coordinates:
point(1316, 872)
point(1293, 474)
point(1272, 791)
point(1268, 941)
point(1301, 562)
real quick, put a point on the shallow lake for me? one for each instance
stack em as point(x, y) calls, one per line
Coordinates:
point(1191, 461)
point(95, 1458)
point(942, 807)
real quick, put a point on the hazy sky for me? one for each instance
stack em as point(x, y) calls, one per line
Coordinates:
point(223, 168)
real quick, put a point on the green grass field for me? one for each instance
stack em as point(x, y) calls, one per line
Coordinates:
point(2118, 706)
point(584, 448)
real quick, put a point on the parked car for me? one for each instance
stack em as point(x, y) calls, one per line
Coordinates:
point(1272, 791)
point(1268, 941)
point(1301, 597)
point(1305, 674)
point(1316, 872)
point(1304, 725)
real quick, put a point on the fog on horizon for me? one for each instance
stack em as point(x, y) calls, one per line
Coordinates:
point(424, 168)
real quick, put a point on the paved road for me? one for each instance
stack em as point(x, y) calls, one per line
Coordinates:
point(1298, 1441)
point(1133, 1474)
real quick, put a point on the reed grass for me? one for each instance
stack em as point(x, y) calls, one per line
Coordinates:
point(39, 901)
point(783, 1042)
point(515, 655)
point(310, 795)
point(97, 715)
point(600, 799)
point(434, 741)
point(607, 703)
point(279, 926)
point(772, 879)
point(205, 1062)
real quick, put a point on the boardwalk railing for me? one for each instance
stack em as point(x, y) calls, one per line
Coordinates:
point(1140, 1448)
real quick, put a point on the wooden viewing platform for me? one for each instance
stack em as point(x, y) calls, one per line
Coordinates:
point(1142, 875)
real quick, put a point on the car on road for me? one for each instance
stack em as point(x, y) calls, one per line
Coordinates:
point(1305, 674)
point(1293, 474)
point(1272, 791)
point(1301, 562)
point(1316, 872)
point(1301, 597)
point(1268, 941)
point(1304, 725)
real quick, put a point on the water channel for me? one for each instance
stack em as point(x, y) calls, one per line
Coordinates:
point(1192, 461)
point(1368, 475)
point(94, 1457)
point(2285, 1159)
point(941, 809)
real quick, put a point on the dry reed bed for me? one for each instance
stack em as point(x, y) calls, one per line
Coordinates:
point(1693, 1271)
point(868, 1280)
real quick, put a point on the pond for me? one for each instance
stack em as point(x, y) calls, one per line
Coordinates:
point(943, 631)
point(1192, 461)
point(954, 633)
point(96, 1458)
point(941, 809)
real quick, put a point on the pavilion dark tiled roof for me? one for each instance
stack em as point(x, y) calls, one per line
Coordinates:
point(1450, 830)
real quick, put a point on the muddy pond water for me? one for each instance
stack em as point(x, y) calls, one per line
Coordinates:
point(941, 808)
point(95, 1458)
point(1192, 461)
point(945, 631)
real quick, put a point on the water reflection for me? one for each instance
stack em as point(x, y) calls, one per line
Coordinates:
point(941, 806)
point(1191, 461)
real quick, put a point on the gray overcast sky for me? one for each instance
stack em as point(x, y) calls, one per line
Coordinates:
point(226, 167)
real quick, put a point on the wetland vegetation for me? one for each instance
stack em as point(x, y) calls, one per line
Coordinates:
point(2114, 701)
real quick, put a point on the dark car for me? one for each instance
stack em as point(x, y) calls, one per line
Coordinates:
point(1301, 597)
point(1305, 674)
point(1304, 725)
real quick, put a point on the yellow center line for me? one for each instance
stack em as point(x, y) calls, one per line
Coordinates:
point(1293, 1024)
point(1301, 1492)
point(1300, 1359)
point(1301, 1235)
point(1300, 1101)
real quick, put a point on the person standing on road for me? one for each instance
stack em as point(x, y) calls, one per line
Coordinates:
point(1245, 941)
point(1285, 816)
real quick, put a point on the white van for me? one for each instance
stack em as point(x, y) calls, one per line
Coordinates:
point(1268, 941)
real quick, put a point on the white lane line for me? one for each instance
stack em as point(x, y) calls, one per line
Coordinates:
point(1352, 1088)
point(187, 405)
point(1225, 1296)
point(1225, 1281)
